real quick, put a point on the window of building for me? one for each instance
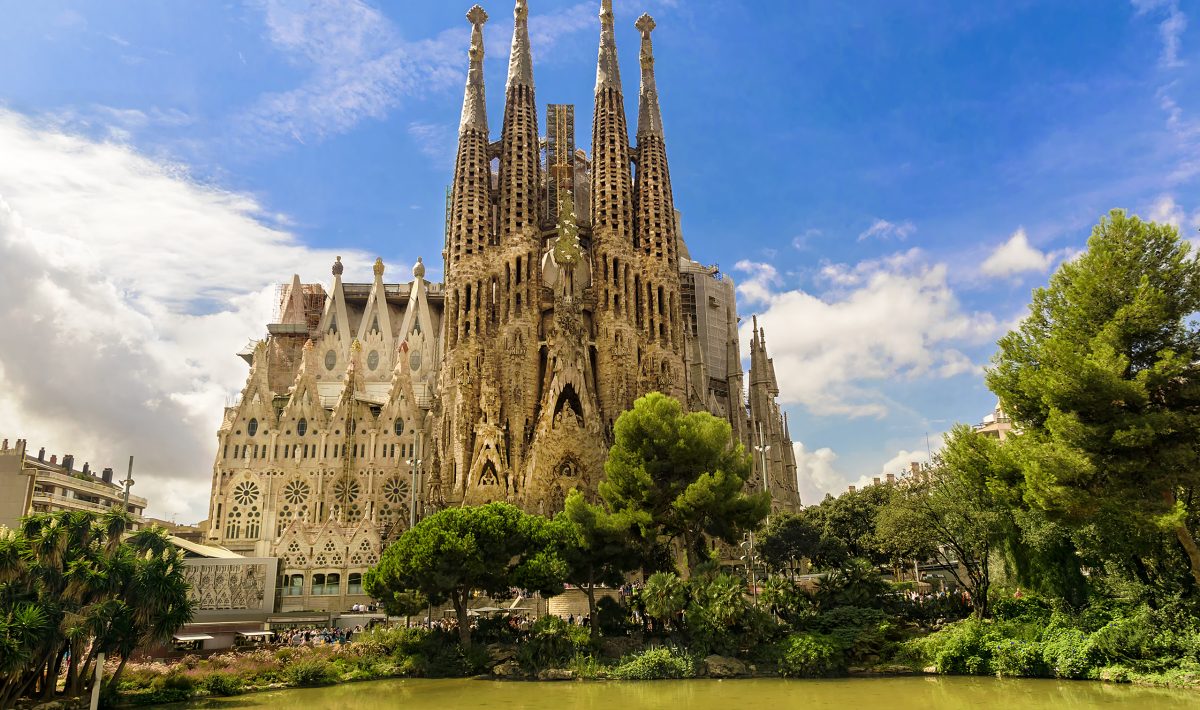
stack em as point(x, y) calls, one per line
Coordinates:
point(398, 427)
point(294, 585)
point(252, 427)
point(354, 583)
point(302, 427)
point(326, 584)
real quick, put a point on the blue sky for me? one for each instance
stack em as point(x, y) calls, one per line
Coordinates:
point(885, 182)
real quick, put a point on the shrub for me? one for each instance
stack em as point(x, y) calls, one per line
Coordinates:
point(961, 648)
point(551, 643)
point(810, 655)
point(222, 683)
point(1016, 658)
point(655, 664)
point(1068, 653)
point(311, 671)
point(1027, 608)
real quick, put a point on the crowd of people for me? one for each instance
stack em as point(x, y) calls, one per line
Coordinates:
point(314, 636)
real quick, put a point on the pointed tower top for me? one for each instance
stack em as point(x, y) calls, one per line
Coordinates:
point(474, 112)
point(337, 266)
point(649, 116)
point(608, 76)
point(520, 61)
point(419, 269)
point(378, 267)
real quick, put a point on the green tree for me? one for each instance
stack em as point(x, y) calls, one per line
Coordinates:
point(664, 596)
point(1103, 381)
point(956, 508)
point(490, 548)
point(789, 538)
point(77, 584)
point(682, 475)
point(599, 549)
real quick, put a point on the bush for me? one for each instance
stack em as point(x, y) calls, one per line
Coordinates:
point(311, 671)
point(552, 642)
point(1027, 608)
point(810, 655)
point(222, 683)
point(962, 648)
point(1068, 653)
point(1016, 658)
point(656, 664)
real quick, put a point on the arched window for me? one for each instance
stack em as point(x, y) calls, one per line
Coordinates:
point(318, 587)
point(295, 586)
point(354, 583)
point(252, 427)
point(398, 427)
point(333, 583)
point(302, 427)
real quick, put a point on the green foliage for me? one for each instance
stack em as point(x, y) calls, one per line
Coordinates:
point(680, 476)
point(310, 672)
point(222, 683)
point(717, 613)
point(1068, 653)
point(1102, 379)
point(75, 584)
point(552, 642)
point(656, 664)
point(597, 548)
point(456, 551)
point(857, 583)
point(810, 655)
point(1017, 658)
point(664, 595)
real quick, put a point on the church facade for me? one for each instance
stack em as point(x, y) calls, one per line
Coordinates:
point(568, 293)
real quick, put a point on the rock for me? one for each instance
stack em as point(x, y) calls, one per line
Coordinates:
point(499, 653)
point(931, 670)
point(619, 646)
point(724, 667)
point(894, 669)
point(556, 674)
point(507, 669)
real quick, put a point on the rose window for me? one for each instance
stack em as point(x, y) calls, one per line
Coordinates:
point(395, 490)
point(245, 493)
point(295, 492)
point(345, 489)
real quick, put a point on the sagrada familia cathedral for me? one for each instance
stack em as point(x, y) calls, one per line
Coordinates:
point(568, 294)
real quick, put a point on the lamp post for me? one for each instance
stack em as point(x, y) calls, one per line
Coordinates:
point(413, 465)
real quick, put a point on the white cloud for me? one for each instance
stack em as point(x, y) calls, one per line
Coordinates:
point(436, 141)
point(1166, 210)
point(127, 290)
point(894, 318)
point(819, 475)
point(361, 67)
point(883, 229)
point(1017, 256)
point(763, 277)
point(1170, 29)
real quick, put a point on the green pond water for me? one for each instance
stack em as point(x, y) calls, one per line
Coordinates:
point(759, 694)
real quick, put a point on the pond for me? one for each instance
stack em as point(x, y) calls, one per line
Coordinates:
point(769, 694)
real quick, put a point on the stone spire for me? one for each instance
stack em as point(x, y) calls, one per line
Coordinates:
point(519, 150)
point(520, 62)
point(649, 116)
point(612, 193)
point(608, 74)
point(471, 226)
point(474, 111)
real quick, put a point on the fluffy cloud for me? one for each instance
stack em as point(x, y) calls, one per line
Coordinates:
point(1017, 256)
point(763, 278)
point(128, 289)
point(819, 474)
point(883, 229)
point(1166, 210)
point(880, 321)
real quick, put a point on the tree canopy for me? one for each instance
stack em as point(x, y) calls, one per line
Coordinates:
point(597, 547)
point(681, 476)
point(490, 548)
point(1103, 381)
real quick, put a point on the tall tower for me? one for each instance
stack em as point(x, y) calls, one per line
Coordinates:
point(656, 237)
point(470, 312)
point(616, 266)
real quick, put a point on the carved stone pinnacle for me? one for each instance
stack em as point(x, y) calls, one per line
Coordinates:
point(606, 11)
point(521, 11)
point(645, 23)
point(476, 15)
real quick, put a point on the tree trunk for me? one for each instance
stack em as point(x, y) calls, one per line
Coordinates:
point(464, 623)
point(116, 676)
point(591, 597)
point(1187, 541)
